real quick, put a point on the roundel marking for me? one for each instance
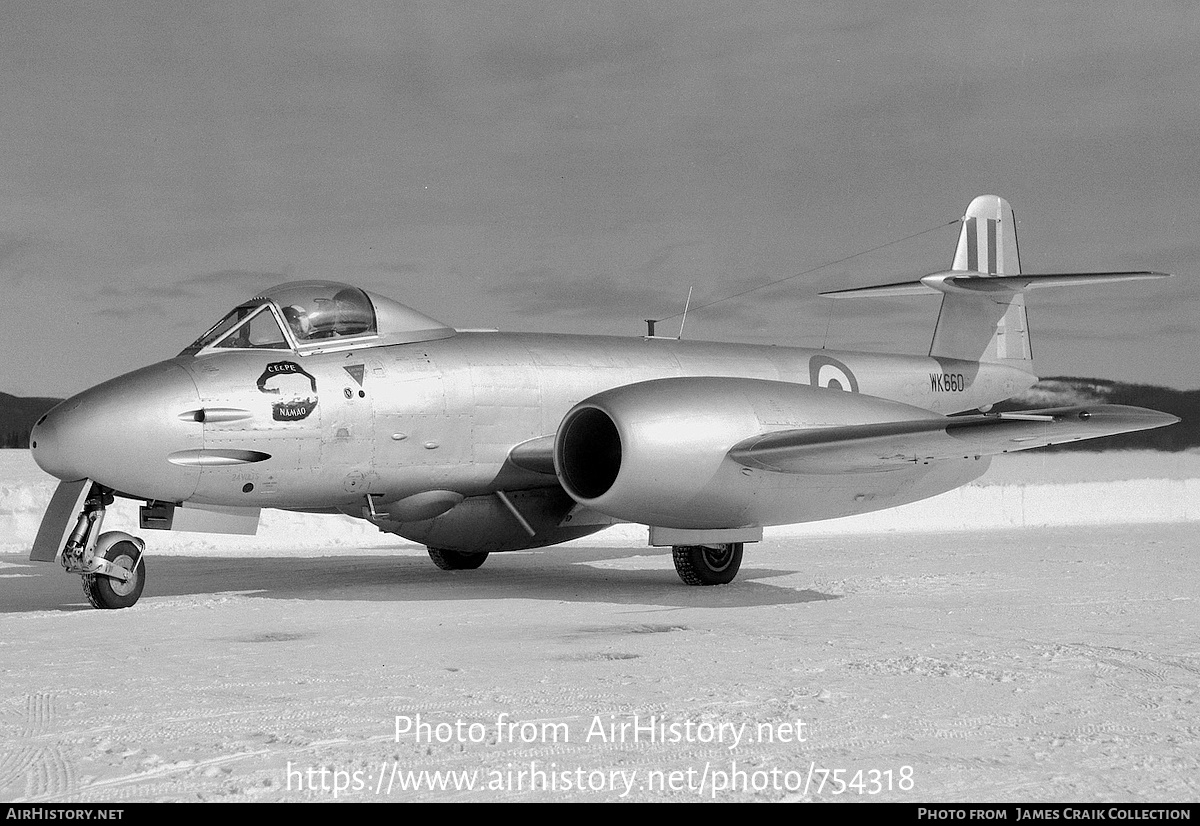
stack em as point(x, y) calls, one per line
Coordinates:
point(824, 371)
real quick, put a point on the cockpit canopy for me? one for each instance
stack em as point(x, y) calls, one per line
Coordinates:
point(316, 317)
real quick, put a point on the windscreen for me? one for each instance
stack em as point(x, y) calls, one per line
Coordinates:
point(219, 329)
point(259, 332)
point(248, 327)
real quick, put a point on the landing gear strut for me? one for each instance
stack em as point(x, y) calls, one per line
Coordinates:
point(110, 563)
point(707, 564)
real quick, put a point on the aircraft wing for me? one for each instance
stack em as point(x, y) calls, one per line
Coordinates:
point(879, 447)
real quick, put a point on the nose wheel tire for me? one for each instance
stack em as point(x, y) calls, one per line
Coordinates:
point(456, 560)
point(106, 592)
point(707, 564)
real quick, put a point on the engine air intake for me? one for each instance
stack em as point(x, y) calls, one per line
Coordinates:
point(589, 453)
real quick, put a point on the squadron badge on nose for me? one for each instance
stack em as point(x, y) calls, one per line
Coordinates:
point(298, 405)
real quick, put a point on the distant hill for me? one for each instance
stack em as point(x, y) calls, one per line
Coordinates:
point(1061, 391)
point(17, 416)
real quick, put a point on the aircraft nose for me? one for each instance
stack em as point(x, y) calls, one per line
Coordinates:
point(121, 432)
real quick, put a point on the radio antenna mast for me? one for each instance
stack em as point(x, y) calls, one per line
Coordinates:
point(686, 305)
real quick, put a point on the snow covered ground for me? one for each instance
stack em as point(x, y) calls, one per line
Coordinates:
point(1047, 654)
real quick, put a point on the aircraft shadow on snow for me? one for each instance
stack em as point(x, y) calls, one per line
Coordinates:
point(564, 576)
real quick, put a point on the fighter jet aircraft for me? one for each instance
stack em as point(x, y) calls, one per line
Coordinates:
point(324, 398)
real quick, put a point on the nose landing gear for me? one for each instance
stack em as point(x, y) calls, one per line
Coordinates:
point(121, 585)
point(110, 563)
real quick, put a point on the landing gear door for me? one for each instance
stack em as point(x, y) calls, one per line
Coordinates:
point(60, 518)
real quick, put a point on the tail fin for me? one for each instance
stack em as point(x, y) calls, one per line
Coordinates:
point(990, 326)
point(983, 303)
point(988, 237)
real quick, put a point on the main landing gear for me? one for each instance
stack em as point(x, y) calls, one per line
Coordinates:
point(110, 563)
point(695, 564)
point(707, 564)
point(456, 560)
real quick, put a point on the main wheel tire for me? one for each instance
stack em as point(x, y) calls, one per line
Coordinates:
point(456, 560)
point(707, 565)
point(106, 592)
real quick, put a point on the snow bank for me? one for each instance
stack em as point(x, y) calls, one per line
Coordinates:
point(983, 507)
point(1028, 491)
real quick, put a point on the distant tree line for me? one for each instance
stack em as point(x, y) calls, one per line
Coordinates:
point(17, 416)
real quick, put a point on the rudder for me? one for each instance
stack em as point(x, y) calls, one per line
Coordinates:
point(992, 325)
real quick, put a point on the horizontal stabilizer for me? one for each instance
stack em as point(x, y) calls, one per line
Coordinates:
point(888, 445)
point(952, 281)
point(883, 290)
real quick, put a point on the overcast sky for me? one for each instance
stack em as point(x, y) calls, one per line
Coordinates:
point(576, 167)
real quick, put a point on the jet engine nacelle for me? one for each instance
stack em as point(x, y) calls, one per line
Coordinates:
point(655, 452)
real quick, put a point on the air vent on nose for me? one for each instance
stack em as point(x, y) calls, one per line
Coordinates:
point(216, 457)
point(215, 415)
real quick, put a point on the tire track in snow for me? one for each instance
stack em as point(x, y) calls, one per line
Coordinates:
point(46, 771)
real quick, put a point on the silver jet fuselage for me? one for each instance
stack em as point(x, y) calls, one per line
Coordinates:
point(396, 421)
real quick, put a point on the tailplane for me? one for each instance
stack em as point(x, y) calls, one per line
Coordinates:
point(983, 303)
